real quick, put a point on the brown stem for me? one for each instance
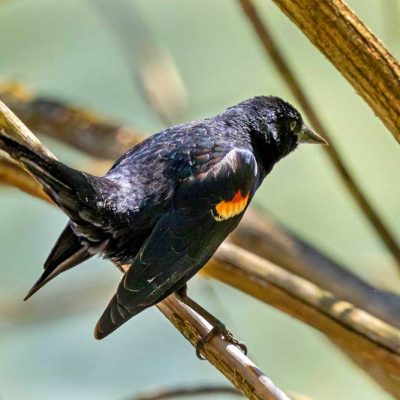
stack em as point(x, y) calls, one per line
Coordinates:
point(354, 50)
point(265, 237)
point(188, 391)
point(226, 357)
point(12, 174)
point(294, 85)
point(370, 342)
point(84, 130)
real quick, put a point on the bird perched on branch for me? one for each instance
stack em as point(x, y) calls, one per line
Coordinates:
point(168, 203)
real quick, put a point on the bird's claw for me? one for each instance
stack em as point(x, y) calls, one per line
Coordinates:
point(218, 330)
point(229, 337)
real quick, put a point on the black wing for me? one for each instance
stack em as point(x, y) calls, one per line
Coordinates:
point(205, 209)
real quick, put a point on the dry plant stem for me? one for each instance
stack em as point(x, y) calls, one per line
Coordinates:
point(12, 126)
point(12, 174)
point(81, 129)
point(152, 65)
point(294, 85)
point(354, 50)
point(346, 313)
point(188, 391)
point(258, 233)
point(237, 367)
point(227, 358)
point(371, 343)
point(250, 380)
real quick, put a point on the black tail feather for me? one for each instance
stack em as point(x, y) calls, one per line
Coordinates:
point(67, 244)
point(72, 190)
point(66, 253)
point(50, 273)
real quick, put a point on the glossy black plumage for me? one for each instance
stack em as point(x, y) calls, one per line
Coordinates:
point(158, 207)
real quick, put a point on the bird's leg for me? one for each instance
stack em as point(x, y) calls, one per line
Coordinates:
point(218, 327)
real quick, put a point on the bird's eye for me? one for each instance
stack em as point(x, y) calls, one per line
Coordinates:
point(293, 125)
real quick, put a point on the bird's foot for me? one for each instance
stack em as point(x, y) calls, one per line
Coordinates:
point(182, 292)
point(218, 329)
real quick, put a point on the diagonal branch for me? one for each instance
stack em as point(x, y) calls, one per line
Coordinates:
point(12, 174)
point(237, 367)
point(294, 85)
point(368, 341)
point(260, 234)
point(155, 70)
point(354, 50)
point(90, 133)
point(186, 391)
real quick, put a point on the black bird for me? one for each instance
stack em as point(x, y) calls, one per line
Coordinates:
point(168, 203)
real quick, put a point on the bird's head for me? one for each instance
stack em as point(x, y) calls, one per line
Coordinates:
point(278, 123)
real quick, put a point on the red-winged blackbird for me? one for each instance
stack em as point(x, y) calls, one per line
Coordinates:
point(168, 203)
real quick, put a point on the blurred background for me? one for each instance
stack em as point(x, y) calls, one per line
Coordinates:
point(89, 53)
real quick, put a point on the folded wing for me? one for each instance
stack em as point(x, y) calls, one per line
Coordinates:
point(205, 209)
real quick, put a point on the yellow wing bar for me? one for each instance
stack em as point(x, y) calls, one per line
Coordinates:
point(228, 209)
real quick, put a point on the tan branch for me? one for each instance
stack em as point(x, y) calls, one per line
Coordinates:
point(243, 373)
point(262, 272)
point(372, 343)
point(84, 130)
point(237, 367)
point(294, 85)
point(263, 236)
point(354, 50)
point(12, 174)
point(177, 392)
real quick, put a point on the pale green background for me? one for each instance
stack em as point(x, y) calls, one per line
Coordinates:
point(63, 49)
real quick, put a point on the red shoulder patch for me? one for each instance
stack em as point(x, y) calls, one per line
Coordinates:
point(230, 208)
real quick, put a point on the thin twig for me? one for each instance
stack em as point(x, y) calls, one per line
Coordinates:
point(260, 234)
point(12, 174)
point(10, 124)
point(237, 367)
point(155, 69)
point(256, 268)
point(371, 343)
point(92, 134)
point(188, 391)
point(294, 85)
